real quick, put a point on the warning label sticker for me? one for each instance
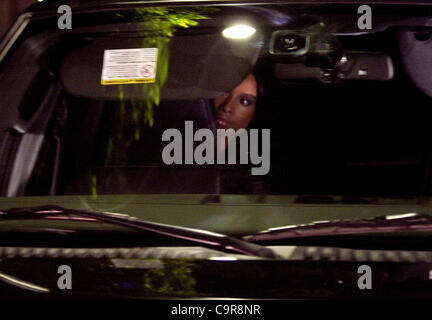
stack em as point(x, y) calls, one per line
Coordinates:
point(122, 66)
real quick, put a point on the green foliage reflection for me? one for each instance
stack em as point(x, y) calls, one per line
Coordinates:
point(158, 26)
point(174, 279)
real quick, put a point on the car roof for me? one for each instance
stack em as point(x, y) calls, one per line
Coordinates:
point(43, 5)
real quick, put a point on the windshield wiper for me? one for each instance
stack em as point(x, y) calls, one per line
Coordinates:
point(383, 224)
point(205, 238)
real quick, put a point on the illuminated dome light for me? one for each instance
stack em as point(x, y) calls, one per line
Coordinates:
point(241, 31)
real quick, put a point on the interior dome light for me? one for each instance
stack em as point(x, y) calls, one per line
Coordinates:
point(240, 31)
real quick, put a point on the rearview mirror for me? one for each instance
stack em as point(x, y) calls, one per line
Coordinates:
point(353, 65)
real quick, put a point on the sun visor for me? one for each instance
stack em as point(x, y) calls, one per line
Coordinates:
point(183, 67)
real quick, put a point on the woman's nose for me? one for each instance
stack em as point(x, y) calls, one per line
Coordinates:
point(227, 105)
point(226, 108)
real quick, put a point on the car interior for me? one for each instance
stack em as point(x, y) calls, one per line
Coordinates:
point(336, 103)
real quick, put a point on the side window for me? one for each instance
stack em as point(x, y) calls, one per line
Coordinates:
point(25, 134)
point(43, 179)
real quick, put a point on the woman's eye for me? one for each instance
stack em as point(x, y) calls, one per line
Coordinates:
point(245, 102)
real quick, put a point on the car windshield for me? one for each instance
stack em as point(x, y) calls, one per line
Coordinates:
point(216, 149)
point(138, 103)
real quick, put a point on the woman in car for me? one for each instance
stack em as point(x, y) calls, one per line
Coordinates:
point(236, 109)
point(241, 108)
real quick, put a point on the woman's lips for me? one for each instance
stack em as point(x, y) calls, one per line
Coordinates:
point(222, 122)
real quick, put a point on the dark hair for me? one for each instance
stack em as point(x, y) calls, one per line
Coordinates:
point(262, 77)
point(261, 73)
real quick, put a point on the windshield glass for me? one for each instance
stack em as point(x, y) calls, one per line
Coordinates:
point(202, 149)
point(267, 101)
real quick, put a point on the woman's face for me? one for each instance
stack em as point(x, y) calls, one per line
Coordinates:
point(236, 109)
